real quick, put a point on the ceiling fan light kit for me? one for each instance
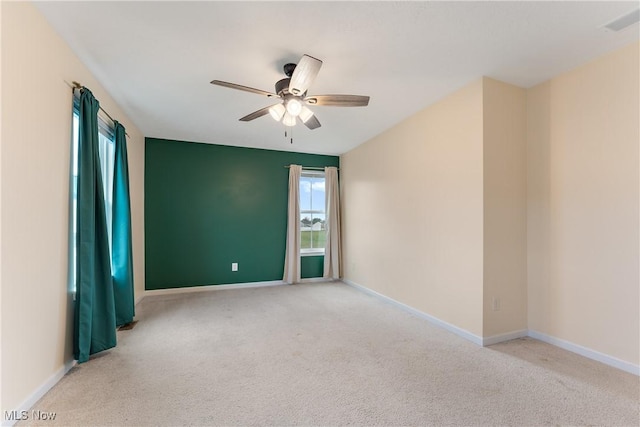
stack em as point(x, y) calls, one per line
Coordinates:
point(305, 114)
point(294, 106)
point(293, 93)
point(288, 120)
point(277, 111)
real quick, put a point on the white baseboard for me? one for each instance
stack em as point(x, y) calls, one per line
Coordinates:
point(207, 288)
point(486, 341)
point(441, 323)
point(495, 339)
point(39, 392)
point(587, 352)
point(315, 280)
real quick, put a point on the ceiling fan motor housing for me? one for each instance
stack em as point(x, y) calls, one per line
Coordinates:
point(288, 69)
point(282, 87)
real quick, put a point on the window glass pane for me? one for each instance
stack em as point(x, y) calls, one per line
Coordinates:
point(74, 195)
point(305, 193)
point(317, 193)
point(312, 212)
point(318, 233)
point(305, 238)
point(106, 151)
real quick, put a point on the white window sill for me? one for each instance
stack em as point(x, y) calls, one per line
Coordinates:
point(312, 252)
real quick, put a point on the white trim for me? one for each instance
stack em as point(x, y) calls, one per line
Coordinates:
point(495, 339)
point(28, 403)
point(312, 252)
point(587, 352)
point(486, 341)
point(138, 300)
point(207, 288)
point(314, 280)
point(441, 323)
point(311, 172)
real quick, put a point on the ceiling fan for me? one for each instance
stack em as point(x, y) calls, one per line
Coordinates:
point(293, 93)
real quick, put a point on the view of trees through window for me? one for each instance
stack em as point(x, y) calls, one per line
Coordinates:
point(312, 212)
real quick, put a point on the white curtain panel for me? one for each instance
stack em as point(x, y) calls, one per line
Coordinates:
point(292, 255)
point(332, 249)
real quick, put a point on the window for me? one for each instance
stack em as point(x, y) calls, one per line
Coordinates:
point(106, 149)
point(312, 213)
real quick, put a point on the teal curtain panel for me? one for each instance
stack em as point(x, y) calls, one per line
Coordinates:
point(94, 315)
point(122, 254)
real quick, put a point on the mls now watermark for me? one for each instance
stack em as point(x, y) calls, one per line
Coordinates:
point(33, 415)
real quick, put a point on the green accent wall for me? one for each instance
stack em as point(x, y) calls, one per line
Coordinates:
point(311, 266)
point(207, 206)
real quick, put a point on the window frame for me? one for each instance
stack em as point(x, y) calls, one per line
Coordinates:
point(312, 173)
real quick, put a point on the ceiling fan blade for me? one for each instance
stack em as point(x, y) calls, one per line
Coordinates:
point(312, 123)
point(244, 88)
point(261, 112)
point(338, 100)
point(304, 74)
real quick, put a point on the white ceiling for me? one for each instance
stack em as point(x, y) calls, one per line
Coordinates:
point(157, 58)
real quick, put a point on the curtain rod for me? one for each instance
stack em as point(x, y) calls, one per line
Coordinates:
point(310, 168)
point(75, 85)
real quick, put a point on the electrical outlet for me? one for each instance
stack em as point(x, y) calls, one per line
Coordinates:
point(234, 266)
point(495, 304)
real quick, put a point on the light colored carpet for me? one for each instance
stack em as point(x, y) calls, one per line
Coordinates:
point(327, 354)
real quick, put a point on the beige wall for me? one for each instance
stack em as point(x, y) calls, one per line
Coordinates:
point(583, 196)
point(435, 210)
point(413, 211)
point(505, 204)
point(36, 135)
point(529, 196)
